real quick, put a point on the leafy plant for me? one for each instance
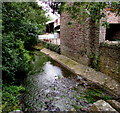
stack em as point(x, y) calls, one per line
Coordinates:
point(81, 10)
point(15, 59)
point(52, 47)
point(10, 98)
point(21, 24)
point(95, 61)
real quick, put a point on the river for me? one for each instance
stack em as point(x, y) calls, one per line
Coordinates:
point(51, 87)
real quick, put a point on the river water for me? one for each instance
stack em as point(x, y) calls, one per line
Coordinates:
point(51, 87)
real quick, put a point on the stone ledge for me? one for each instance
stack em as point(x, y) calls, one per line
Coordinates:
point(110, 44)
point(88, 73)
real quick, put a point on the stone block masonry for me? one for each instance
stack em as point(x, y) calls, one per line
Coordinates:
point(78, 41)
point(85, 43)
point(110, 60)
point(86, 72)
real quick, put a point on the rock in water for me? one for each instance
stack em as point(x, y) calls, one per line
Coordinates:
point(101, 105)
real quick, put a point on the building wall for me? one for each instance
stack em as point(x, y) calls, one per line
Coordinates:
point(110, 59)
point(111, 18)
point(82, 43)
point(78, 41)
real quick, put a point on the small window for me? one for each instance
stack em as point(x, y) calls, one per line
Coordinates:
point(113, 32)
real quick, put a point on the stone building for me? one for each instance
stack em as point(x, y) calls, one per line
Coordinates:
point(86, 43)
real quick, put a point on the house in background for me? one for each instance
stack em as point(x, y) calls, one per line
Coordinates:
point(52, 34)
point(57, 27)
point(50, 26)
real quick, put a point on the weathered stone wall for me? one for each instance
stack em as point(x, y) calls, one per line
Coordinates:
point(78, 41)
point(82, 43)
point(110, 60)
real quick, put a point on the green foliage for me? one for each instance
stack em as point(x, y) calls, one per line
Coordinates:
point(15, 59)
point(21, 24)
point(10, 98)
point(69, 23)
point(37, 63)
point(94, 10)
point(95, 59)
point(39, 46)
point(25, 20)
point(81, 10)
point(92, 95)
point(53, 47)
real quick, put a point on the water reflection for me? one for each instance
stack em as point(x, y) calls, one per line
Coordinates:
point(51, 72)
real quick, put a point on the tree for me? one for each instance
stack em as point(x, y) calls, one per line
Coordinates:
point(22, 22)
point(26, 20)
point(79, 10)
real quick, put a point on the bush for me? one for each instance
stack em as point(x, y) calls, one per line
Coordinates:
point(10, 98)
point(22, 22)
point(53, 47)
point(25, 20)
point(15, 59)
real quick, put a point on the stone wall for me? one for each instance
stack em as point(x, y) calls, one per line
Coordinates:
point(112, 18)
point(85, 43)
point(110, 59)
point(78, 41)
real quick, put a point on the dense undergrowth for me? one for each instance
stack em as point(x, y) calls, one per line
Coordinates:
point(53, 47)
point(21, 24)
point(50, 46)
point(11, 96)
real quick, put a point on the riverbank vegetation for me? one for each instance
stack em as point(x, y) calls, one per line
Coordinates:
point(50, 46)
point(11, 95)
point(21, 24)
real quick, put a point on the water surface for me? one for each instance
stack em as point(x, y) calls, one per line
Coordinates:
point(50, 87)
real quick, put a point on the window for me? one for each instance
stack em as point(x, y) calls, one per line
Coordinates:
point(113, 32)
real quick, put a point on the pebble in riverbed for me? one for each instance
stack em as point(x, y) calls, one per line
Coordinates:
point(61, 91)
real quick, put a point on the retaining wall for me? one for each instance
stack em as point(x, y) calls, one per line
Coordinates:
point(110, 60)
